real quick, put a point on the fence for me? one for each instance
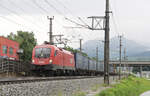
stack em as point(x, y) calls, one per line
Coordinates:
point(15, 68)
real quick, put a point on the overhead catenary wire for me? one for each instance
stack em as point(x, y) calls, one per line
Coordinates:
point(84, 22)
point(18, 15)
point(114, 21)
point(58, 11)
point(53, 7)
point(61, 13)
point(115, 27)
point(68, 9)
point(76, 23)
point(14, 22)
point(44, 10)
point(83, 26)
point(23, 10)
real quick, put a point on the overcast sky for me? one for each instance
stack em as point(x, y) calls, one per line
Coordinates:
point(130, 17)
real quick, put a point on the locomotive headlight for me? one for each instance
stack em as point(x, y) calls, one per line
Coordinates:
point(32, 61)
point(50, 61)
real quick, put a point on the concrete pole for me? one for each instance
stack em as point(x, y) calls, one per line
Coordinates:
point(106, 46)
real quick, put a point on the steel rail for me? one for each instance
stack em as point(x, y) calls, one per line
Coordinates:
point(7, 81)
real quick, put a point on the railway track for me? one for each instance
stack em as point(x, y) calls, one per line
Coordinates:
point(7, 81)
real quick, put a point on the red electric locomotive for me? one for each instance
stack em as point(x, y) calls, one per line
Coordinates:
point(8, 49)
point(49, 57)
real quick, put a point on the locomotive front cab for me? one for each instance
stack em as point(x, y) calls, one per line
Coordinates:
point(42, 55)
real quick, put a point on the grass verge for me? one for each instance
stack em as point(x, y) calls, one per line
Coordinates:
point(96, 87)
point(132, 86)
point(79, 94)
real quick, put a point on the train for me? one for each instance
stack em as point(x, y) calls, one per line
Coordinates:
point(51, 60)
point(8, 49)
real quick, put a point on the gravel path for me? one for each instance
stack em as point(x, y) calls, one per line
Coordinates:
point(91, 93)
point(146, 94)
point(96, 92)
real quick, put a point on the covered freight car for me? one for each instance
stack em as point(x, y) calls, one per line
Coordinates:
point(92, 65)
point(86, 65)
point(100, 66)
point(81, 62)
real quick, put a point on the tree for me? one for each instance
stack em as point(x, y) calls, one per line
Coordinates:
point(75, 51)
point(26, 41)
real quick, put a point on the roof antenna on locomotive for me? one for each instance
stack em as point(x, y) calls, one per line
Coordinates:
point(46, 42)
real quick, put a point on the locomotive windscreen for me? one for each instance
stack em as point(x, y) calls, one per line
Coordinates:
point(42, 52)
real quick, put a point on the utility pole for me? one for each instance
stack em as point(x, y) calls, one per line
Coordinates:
point(97, 57)
point(50, 30)
point(125, 60)
point(127, 65)
point(80, 45)
point(120, 57)
point(106, 46)
point(96, 25)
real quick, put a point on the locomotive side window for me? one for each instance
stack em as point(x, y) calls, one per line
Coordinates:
point(4, 49)
point(11, 51)
point(55, 53)
point(71, 61)
point(42, 52)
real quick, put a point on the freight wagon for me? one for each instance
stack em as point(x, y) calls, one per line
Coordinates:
point(85, 65)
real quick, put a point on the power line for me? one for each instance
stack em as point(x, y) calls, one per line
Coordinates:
point(16, 14)
point(115, 25)
point(14, 22)
point(44, 10)
point(80, 19)
point(64, 6)
point(114, 22)
point(9, 20)
point(68, 10)
point(59, 12)
point(20, 8)
point(76, 23)
point(53, 7)
point(34, 1)
point(84, 22)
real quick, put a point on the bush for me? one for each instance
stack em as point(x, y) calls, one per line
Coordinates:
point(132, 86)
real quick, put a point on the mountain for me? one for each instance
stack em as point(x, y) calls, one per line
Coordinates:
point(132, 48)
point(144, 54)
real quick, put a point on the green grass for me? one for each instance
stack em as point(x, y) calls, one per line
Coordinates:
point(79, 94)
point(132, 86)
point(59, 93)
point(96, 87)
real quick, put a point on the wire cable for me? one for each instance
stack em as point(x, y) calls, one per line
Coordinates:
point(16, 14)
point(14, 22)
point(34, 1)
point(21, 9)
